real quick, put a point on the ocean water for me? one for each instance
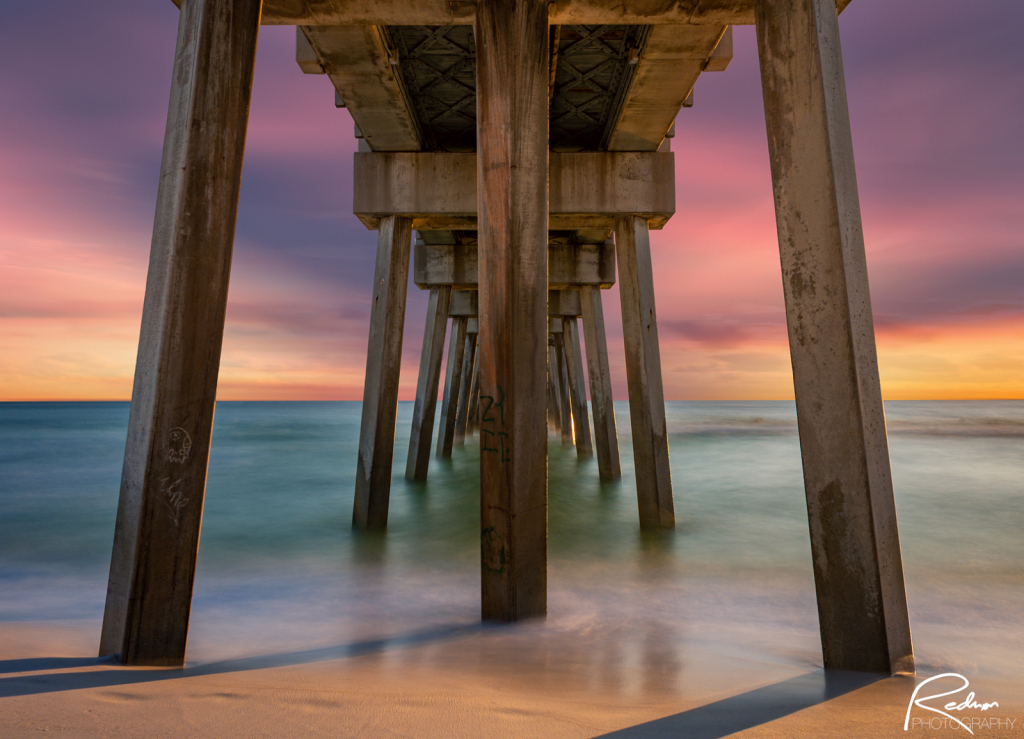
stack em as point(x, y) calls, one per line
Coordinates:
point(281, 569)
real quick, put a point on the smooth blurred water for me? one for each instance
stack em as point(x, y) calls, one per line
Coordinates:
point(277, 543)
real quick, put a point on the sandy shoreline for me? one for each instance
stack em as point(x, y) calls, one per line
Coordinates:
point(445, 680)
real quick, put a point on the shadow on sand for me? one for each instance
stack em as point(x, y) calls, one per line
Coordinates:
point(752, 708)
point(57, 682)
point(710, 721)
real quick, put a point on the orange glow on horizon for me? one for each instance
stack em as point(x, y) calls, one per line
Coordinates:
point(942, 226)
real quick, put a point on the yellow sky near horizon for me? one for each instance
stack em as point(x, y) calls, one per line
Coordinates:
point(49, 359)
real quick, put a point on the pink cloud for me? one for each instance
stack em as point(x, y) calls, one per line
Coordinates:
point(941, 169)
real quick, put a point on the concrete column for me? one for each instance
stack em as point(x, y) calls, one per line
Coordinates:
point(858, 569)
point(564, 386)
point(512, 192)
point(427, 383)
point(554, 386)
point(643, 374)
point(383, 363)
point(473, 423)
point(163, 481)
point(605, 435)
point(574, 366)
point(452, 387)
point(468, 367)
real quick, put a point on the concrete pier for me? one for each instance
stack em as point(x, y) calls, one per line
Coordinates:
point(605, 434)
point(564, 388)
point(858, 570)
point(643, 375)
point(427, 384)
point(163, 482)
point(383, 365)
point(468, 373)
point(554, 386)
point(574, 368)
point(452, 387)
point(512, 180)
point(514, 137)
point(572, 268)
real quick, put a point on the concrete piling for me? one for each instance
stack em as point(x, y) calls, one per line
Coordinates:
point(858, 569)
point(163, 481)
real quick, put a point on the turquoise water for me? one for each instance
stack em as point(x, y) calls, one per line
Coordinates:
point(278, 555)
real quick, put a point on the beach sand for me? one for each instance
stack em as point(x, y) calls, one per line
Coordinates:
point(549, 678)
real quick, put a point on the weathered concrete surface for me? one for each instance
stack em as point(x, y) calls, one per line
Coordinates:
point(569, 265)
point(455, 12)
point(554, 388)
point(858, 569)
point(356, 61)
point(722, 55)
point(587, 189)
point(359, 65)
point(605, 434)
point(564, 386)
point(473, 422)
point(163, 482)
point(464, 303)
point(563, 303)
point(512, 172)
point(427, 383)
point(574, 366)
point(452, 387)
point(305, 55)
point(670, 64)
point(573, 265)
point(643, 375)
point(383, 363)
point(468, 369)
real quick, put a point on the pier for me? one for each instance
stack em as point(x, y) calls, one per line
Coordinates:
point(527, 147)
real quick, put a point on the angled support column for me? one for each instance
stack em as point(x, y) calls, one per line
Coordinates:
point(452, 386)
point(473, 422)
point(605, 435)
point(564, 388)
point(554, 386)
point(427, 383)
point(858, 569)
point(643, 374)
point(163, 482)
point(574, 365)
point(468, 367)
point(383, 362)
point(512, 193)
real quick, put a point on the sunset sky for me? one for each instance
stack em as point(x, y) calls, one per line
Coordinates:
point(936, 92)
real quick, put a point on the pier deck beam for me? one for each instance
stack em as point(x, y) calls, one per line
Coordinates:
point(512, 189)
point(643, 374)
point(427, 383)
point(156, 538)
point(606, 438)
point(383, 362)
point(858, 570)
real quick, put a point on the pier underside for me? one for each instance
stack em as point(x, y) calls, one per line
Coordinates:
point(526, 147)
